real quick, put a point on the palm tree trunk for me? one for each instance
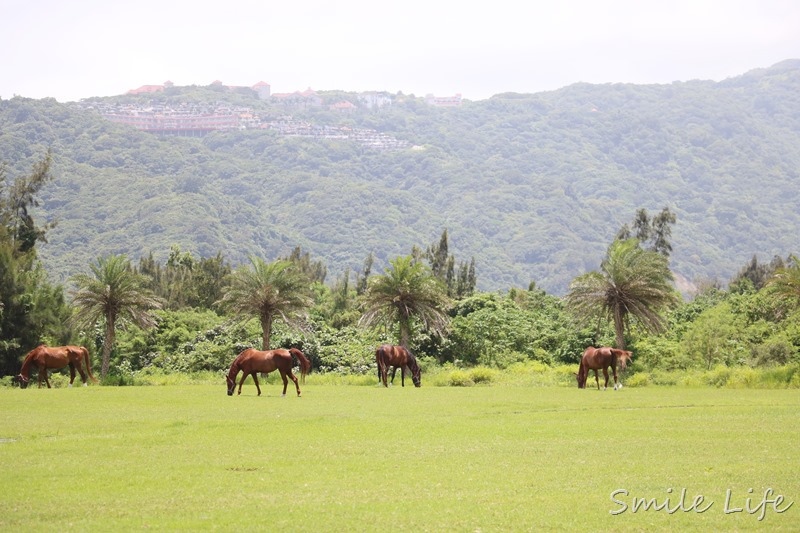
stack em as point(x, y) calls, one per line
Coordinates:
point(266, 331)
point(108, 343)
point(405, 333)
point(619, 329)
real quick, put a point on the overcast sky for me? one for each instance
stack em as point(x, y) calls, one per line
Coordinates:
point(76, 49)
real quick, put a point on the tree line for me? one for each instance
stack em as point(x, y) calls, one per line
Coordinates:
point(193, 313)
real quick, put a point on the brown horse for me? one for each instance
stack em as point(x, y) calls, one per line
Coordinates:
point(601, 359)
point(252, 361)
point(396, 356)
point(56, 357)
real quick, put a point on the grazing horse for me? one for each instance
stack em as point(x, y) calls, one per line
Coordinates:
point(56, 357)
point(600, 359)
point(396, 356)
point(252, 361)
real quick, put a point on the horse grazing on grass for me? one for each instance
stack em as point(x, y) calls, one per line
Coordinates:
point(396, 357)
point(601, 359)
point(252, 361)
point(56, 357)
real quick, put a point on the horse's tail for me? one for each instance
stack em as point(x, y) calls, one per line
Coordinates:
point(88, 361)
point(380, 362)
point(305, 364)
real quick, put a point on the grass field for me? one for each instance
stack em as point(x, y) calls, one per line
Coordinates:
point(361, 458)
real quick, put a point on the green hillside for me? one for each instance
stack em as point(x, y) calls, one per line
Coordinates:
point(534, 186)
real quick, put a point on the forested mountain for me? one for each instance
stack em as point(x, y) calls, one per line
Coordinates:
point(534, 186)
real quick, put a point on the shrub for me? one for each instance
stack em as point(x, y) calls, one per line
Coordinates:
point(527, 368)
point(781, 376)
point(718, 376)
point(117, 380)
point(773, 352)
point(743, 378)
point(640, 379)
point(460, 378)
point(481, 374)
point(661, 377)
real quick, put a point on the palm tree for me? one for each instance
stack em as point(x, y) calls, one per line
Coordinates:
point(633, 285)
point(785, 282)
point(408, 290)
point(112, 291)
point(268, 291)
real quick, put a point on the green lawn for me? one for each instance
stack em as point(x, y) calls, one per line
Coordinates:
point(356, 458)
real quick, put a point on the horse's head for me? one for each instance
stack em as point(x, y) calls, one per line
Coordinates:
point(22, 380)
point(582, 372)
point(416, 373)
point(231, 384)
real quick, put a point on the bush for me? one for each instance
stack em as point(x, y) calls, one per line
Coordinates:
point(481, 374)
point(640, 379)
point(666, 378)
point(528, 368)
point(744, 378)
point(718, 377)
point(782, 376)
point(117, 380)
point(459, 378)
point(773, 352)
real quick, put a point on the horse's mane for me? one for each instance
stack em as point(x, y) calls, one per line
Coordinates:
point(26, 363)
point(236, 363)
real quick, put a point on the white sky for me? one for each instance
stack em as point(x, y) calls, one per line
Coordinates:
point(76, 49)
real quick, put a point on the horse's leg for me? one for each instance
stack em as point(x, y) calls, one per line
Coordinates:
point(384, 377)
point(596, 379)
point(83, 374)
point(285, 382)
point(296, 384)
point(616, 382)
point(244, 377)
point(71, 373)
point(402, 376)
point(394, 372)
point(255, 380)
point(605, 374)
point(42, 373)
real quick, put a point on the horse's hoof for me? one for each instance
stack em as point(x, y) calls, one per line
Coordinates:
point(70, 385)
point(85, 384)
point(283, 395)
